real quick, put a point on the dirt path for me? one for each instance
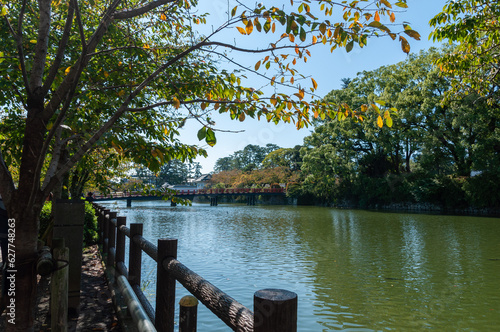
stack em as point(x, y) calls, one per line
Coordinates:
point(96, 309)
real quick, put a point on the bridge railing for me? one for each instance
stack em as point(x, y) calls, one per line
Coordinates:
point(201, 192)
point(275, 309)
point(230, 191)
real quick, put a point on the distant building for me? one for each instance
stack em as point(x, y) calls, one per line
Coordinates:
point(202, 181)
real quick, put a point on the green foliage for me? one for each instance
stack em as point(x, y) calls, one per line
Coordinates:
point(427, 156)
point(473, 65)
point(45, 218)
point(251, 157)
point(91, 227)
point(483, 190)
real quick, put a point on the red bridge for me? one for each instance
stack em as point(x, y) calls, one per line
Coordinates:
point(250, 193)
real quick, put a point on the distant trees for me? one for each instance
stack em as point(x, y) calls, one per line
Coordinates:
point(249, 158)
point(257, 166)
point(430, 144)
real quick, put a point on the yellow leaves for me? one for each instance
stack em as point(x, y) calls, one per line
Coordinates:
point(203, 106)
point(314, 83)
point(242, 117)
point(106, 74)
point(176, 102)
point(386, 3)
point(249, 27)
point(241, 30)
point(405, 46)
point(146, 47)
point(314, 40)
point(121, 93)
point(117, 147)
point(377, 16)
point(273, 100)
point(412, 33)
point(291, 37)
point(257, 65)
point(380, 122)
point(392, 17)
point(163, 17)
point(4, 11)
point(66, 72)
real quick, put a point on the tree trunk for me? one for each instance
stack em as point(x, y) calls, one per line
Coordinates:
point(21, 288)
point(24, 209)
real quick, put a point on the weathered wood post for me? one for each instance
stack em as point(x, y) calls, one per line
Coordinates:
point(134, 256)
point(275, 310)
point(45, 263)
point(129, 202)
point(100, 222)
point(188, 314)
point(105, 236)
point(112, 239)
point(69, 217)
point(59, 288)
point(120, 245)
point(165, 287)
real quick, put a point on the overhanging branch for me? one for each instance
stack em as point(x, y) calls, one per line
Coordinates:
point(130, 13)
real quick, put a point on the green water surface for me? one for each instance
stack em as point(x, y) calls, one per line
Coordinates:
point(352, 270)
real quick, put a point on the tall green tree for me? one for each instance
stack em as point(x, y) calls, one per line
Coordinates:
point(95, 66)
point(474, 27)
point(428, 136)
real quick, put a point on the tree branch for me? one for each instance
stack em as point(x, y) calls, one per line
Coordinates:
point(80, 26)
point(189, 102)
point(123, 108)
point(60, 52)
point(264, 50)
point(19, 43)
point(42, 44)
point(130, 13)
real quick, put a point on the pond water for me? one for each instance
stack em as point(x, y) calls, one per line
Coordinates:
point(352, 270)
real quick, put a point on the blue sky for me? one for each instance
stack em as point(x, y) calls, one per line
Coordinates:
point(327, 69)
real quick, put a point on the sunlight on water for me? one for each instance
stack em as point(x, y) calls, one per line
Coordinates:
point(352, 270)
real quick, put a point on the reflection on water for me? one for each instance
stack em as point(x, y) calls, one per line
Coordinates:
point(352, 270)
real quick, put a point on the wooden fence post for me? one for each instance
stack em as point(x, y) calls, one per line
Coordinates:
point(59, 288)
point(112, 239)
point(188, 314)
point(100, 221)
point(120, 243)
point(105, 236)
point(275, 310)
point(165, 287)
point(134, 256)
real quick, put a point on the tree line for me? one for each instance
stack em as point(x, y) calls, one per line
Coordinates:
point(445, 152)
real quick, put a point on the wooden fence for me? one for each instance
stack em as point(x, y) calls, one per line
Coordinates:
point(274, 309)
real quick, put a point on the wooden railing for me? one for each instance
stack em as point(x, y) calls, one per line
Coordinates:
point(274, 309)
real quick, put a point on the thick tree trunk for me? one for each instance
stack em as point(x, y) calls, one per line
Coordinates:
point(24, 209)
point(21, 285)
